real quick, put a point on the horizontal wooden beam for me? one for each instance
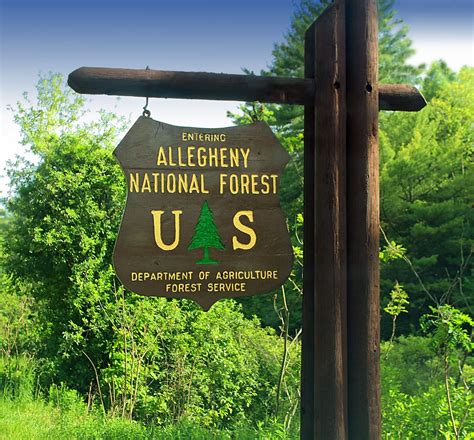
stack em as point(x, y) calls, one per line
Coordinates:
point(400, 97)
point(221, 86)
point(190, 85)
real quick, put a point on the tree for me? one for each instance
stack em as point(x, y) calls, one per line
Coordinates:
point(206, 235)
point(426, 196)
point(134, 356)
point(414, 396)
point(438, 75)
point(453, 340)
point(395, 48)
point(65, 211)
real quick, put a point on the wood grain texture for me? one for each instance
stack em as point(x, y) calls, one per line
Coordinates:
point(400, 97)
point(330, 227)
point(363, 221)
point(189, 85)
point(307, 430)
point(136, 251)
point(221, 86)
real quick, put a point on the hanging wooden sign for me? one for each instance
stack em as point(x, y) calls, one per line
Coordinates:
point(202, 219)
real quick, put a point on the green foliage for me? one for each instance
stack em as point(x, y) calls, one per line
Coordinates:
point(395, 48)
point(43, 420)
point(452, 329)
point(65, 213)
point(396, 306)
point(18, 376)
point(424, 416)
point(18, 322)
point(438, 77)
point(213, 368)
point(414, 401)
point(64, 319)
point(129, 356)
point(392, 251)
point(398, 301)
point(426, 196)
point(61, 413)
point(413, 397)
point(411, 365)
point(421, 397)
point(4, 222)
point(287, 120)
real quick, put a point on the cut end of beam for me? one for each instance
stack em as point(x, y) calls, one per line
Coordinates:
point(400, 97)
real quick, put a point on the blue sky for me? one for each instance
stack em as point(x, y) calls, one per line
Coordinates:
point(214, 35)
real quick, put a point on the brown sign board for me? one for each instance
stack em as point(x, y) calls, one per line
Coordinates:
point(202, 218)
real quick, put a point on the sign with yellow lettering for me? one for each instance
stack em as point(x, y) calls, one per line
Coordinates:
point(202, 219)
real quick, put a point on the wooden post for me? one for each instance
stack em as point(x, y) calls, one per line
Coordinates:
point(330, 231)
point(324, 385)
point(307, 430)
point(363, 307)
point(340, 383)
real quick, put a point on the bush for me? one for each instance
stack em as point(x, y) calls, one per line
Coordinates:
point(414, 400)
point(18, 377)
point(38, 419)
point(139, 358)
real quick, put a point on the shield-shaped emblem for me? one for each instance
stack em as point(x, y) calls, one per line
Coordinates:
point(202, 218)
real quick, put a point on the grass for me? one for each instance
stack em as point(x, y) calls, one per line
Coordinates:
point(61, 414)
point(39, 420)
point(35, 420)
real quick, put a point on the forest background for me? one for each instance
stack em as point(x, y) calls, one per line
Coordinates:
point(83, 358)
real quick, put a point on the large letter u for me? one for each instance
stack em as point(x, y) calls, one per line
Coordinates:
point(157, 228)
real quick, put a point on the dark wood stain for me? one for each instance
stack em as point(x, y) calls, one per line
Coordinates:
point(340, 377)
point(307, 430)
point(330, 227)
point(135, 248)
point(363, 221)
point(222, 86)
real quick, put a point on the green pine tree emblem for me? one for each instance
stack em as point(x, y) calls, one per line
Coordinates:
point(206, 235)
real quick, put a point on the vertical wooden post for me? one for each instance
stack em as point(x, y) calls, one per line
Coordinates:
point(363, 220)
point(324, 316)
point(330, 231)
point(307, 350)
